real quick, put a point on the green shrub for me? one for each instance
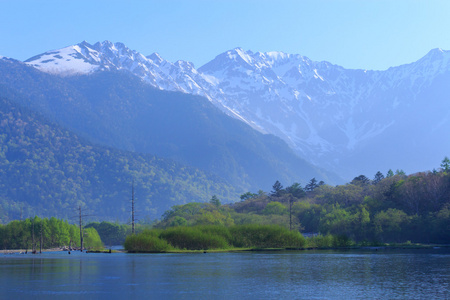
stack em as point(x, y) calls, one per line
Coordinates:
point(341, 240)
point(320, 241)
point(146, 242)
point(192, 238)
point(216, 230)
point(266, 236)
point(329, 241)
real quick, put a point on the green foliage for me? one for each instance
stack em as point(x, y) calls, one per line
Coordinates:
point(26, 234)
point(309, 214)
point(47, 170)
point(146, 241)
point(390, 173)
point(91, 239)
point(360, 180)
point(196, 214)
point(275, 208)
point(215, 201)
point(111, 233)
point(215, 237)
point(445, 164)
point(266, 236)
point(277, 189)
point(312, 185)
point(378, 177)
point(388, 225)
point(320, 241)
point(296, 190)
point(395, 209)
point(193, 238)
point(341, 241)
point(247, 195)
point(178, 221)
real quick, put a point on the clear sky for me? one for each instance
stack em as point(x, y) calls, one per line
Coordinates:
point(367, 34)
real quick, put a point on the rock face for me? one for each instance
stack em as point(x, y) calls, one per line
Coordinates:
point(349, 121)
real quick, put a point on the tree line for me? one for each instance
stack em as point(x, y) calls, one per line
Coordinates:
point(388, 208)
point(36, 233)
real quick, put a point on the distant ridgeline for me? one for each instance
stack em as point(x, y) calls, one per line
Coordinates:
point(48, 171)
point(81, 140)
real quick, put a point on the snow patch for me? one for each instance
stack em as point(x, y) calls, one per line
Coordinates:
point(317, 75)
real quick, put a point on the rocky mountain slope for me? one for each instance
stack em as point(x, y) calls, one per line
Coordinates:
point(118, 110)
point(348, 121)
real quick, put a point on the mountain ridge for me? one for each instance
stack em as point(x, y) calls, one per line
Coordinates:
point(119, 110)
point(47, 170)
point(325, 112)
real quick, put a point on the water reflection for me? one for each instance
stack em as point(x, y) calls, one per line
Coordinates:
point(414, 274)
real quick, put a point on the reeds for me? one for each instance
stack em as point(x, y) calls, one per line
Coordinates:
point(208, 237)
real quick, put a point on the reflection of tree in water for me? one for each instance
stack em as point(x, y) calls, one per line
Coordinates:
point(80, 271)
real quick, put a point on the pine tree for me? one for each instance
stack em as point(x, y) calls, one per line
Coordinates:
point(277, 188)
point(312, 185)
point(215, 201)
point(378, 177)
point(445, 165)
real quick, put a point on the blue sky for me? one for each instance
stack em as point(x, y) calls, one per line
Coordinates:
point(367, 34)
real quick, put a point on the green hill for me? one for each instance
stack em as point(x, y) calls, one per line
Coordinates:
point(48, 171)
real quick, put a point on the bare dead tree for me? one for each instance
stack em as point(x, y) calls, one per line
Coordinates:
point(132, 208)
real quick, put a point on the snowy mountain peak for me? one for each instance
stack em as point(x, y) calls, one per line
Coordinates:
point(185, 65)
point(77, 59)
point(436, 54)
point(156, 58)
point(238, 53)
point(323, 111)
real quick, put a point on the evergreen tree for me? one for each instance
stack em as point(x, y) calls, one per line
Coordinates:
point(312, 185)
point(247, 195)
point(360, 180)
point(296, 190)
point(445, 165)
point(390, 173)
point(400, 172)
point(215, 201)
point(378, 177)
point(277, 189)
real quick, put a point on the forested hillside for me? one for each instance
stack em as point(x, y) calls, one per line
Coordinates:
point(47, 171)
point(391, 208)
point(118, 110)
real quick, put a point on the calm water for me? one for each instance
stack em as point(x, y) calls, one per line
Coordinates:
point(362, 274)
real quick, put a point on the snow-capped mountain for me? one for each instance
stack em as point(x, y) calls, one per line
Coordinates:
point(340, 118)
point(84, 58)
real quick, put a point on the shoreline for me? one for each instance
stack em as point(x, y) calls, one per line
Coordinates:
point(234, 250)
point(175, 251)
point(19, 251)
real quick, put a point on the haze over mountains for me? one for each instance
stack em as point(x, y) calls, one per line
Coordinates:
point(348, 121)
point(322, 120)
point(200, 151)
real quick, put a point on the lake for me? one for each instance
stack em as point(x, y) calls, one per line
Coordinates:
point(352, 274)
